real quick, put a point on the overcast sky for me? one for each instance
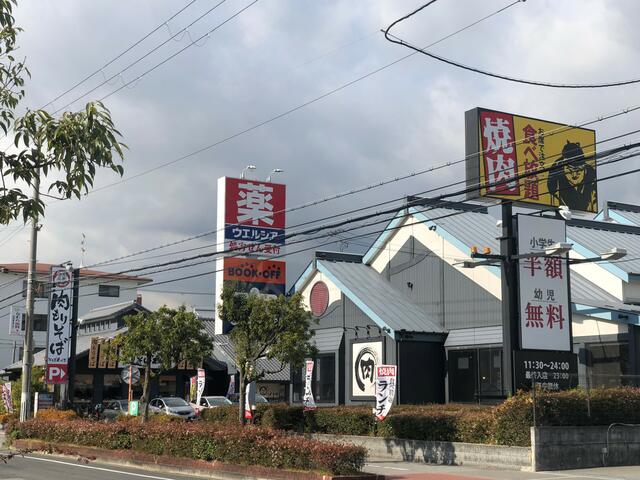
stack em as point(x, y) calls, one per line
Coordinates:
point(279, 54)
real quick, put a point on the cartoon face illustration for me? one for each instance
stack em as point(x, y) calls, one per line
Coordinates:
point(572, 180)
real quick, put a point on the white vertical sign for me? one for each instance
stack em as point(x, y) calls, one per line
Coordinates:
point(15, 322)
point(385, 390)
point(545, 310)
point(59, 328)
point(307, 399)
point(200, 385)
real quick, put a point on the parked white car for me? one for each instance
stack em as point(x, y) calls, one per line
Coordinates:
point(172, 406)
point(211, 402)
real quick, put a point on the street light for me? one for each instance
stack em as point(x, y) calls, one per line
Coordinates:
point(248, 167)
point(275, 170)
point(558, 249)
point(613, 254)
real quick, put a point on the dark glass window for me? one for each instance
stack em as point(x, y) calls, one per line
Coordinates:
point(39, 322)
point(608, 363)
point(297, 379)
point(324, 378)
point(108, 291)
point(490, 371)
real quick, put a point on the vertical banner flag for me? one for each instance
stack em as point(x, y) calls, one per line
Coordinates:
point(193, 388)
point(232, 385)
point(250, 400)
point(385, 390)
point(200, 385)
point(16, 321)
point(545, 311)
point(307, 400)
point(59, 329)
point(7, 398)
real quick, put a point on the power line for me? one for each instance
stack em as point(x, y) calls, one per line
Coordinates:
point(388, 228)
point(372, 186)
point(349, 221)
point(138, 60)
point(293, 109)
point(399, 41)
point(124, 52)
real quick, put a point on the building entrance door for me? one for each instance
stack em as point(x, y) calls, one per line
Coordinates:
point(463, 368)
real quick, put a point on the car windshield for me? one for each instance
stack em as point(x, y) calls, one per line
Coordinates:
point(175, 402)
point(261, 399)
point(124, 404)
point(218, 401)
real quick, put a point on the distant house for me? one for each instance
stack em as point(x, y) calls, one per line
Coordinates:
point(97, 289)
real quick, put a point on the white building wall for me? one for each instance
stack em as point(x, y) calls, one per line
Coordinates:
point(439, 246)
point(11, 285)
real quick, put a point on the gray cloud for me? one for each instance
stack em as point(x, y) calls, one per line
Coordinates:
point(280, 54)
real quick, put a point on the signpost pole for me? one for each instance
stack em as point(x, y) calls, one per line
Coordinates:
point(509, 276)
point(130, 396)
point(74, 332)
point(27, 355)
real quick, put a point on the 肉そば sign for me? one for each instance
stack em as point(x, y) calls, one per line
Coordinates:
point(59, 329)
point(531, 161)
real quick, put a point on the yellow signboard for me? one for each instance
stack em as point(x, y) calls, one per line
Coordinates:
point(531, 161)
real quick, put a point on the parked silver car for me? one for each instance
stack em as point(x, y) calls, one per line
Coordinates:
point(114, 408)
point(172, 406)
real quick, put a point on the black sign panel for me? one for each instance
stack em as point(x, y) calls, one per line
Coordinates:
point(548, 370)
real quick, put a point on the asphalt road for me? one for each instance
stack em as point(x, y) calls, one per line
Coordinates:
point(420, 471)
point(36, 467)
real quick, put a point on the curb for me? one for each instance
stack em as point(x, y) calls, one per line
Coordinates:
point(176, 465)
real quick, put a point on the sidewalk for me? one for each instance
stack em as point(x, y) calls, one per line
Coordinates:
point(420, 471)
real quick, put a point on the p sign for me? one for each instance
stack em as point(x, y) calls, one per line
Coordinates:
point(56, 373)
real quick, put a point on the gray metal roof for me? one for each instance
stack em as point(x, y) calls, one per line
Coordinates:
point(604, 237)
point(584, 292)
point(328, 339)
point(633, 217)
point(471, 228)
point(110, 311)
point(377, 298)
point(223, 351)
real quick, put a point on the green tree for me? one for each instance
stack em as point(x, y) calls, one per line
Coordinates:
point(71, 146)
point(160, 340)
point(263, 327)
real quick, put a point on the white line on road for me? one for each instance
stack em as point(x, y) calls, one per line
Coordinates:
point(110, 470)
point(388, 468)
point(582, 476)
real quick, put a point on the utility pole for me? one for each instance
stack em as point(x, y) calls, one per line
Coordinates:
point(27, 355)
point(74, 333)
point(509, 277)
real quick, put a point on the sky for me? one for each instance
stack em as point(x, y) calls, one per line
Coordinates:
point(277, 55)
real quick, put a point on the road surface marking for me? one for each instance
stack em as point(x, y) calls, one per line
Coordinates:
point(388, 468)
point(110, 470)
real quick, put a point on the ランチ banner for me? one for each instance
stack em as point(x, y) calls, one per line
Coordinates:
point(200, 383)
point(59, 331)
point(385, 390)
point(307, 399)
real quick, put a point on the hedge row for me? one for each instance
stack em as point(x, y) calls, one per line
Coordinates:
point(203, 441)
point(505, 424)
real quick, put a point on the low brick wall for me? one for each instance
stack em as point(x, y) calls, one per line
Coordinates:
point(443, 453)
point(564, 448)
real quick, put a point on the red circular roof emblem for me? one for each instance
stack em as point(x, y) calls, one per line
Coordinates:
point(319, 299)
